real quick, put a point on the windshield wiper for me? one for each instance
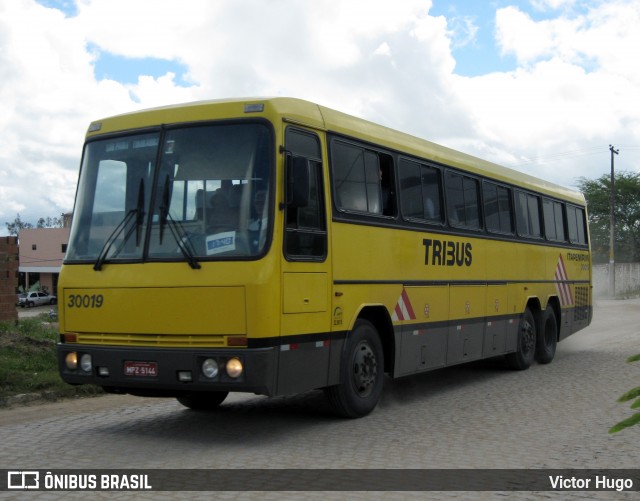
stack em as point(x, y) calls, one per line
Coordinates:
point(138, 212)
point(112, 238)
point(183, 241)
point(177, 231)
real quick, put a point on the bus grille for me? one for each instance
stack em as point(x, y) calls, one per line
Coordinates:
point(169, 340)
point(581, 311)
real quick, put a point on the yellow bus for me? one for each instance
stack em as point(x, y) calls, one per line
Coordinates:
point(275, 246)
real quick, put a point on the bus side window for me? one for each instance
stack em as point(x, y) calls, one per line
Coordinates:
point(462, 201)
point(363, 180)
point(420, 191)
point(497, 208)
point(528, 215)
point(387, 190)
point(305, 236)
point(576, 223)
point(522, 214)
point(553, 220)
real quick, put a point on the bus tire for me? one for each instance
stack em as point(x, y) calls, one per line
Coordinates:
point(525, 352)
point(361, 373)
point(205, 401)
point(547, 338)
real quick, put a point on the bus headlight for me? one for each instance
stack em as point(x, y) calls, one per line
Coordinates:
point(210, 368)
point(71, 360)
point(234, 368)
point(86, 363)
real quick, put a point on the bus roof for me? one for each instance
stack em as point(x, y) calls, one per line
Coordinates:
point(320, 117)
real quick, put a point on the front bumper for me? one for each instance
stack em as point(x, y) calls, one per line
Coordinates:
point(108, 369)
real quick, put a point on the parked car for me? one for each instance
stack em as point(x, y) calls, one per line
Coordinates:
point(30, 299)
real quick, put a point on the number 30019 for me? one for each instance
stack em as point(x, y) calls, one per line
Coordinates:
point(85, 301)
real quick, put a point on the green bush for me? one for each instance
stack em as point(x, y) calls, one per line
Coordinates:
point(28, 362)
point(630, 395)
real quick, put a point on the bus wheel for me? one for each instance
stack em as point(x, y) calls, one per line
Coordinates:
point(522, 358)
point(205, 401)
point(547, 337)
point(361, 373)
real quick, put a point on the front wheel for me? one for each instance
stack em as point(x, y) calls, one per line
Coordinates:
point(522, 358)
point(361, 373)
point(205, 401)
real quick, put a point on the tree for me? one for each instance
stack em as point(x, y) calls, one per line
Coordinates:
point(17, 225)
point(630, 395)
point(50, 222)
point(627, 215)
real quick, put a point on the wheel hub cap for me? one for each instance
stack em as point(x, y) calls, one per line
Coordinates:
point(365, 369)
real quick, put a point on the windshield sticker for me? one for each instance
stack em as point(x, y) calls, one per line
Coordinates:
point(150, 142)
point(117, 146)
point(221, 242)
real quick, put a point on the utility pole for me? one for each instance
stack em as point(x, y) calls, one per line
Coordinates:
point(612, 230)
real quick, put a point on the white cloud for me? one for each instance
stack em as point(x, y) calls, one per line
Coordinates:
point(463, 31)
point(383, 50)
point(542, 105)
point(529, 40)
point(576, 85)
point(605, 37)
point(545, 5)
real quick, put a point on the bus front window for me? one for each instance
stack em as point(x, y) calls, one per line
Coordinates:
point(113, 195)
point(192, 193)
point(212, 188)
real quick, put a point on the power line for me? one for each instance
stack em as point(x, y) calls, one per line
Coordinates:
point(559, 156)
point(563, 155)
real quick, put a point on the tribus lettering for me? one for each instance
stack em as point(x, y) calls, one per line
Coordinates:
point(444, 253)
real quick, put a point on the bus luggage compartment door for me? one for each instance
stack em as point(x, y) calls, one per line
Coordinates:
point(423, 344)
point(466, 327)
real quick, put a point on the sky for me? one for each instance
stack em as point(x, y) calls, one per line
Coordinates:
point(542, 86)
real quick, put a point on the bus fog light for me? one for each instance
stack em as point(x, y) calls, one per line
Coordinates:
point(234, 368)
point(85, 362)
point(71, 360)
point(103, 371)
point(210, 368)
point(184, 376)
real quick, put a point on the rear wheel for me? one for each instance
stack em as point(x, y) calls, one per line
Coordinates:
point(204, 401)
point(523, 357)
point(361, 373)
point(547, 338)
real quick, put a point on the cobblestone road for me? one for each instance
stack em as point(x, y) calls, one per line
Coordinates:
point(474, 416)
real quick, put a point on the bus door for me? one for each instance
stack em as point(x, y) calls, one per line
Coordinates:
point(304, 351)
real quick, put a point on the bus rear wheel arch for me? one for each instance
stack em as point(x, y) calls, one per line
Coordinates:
point(361, 373)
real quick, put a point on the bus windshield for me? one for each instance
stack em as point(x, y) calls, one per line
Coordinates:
point(192, 193)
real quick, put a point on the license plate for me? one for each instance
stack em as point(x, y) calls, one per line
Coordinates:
point(141, 369)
